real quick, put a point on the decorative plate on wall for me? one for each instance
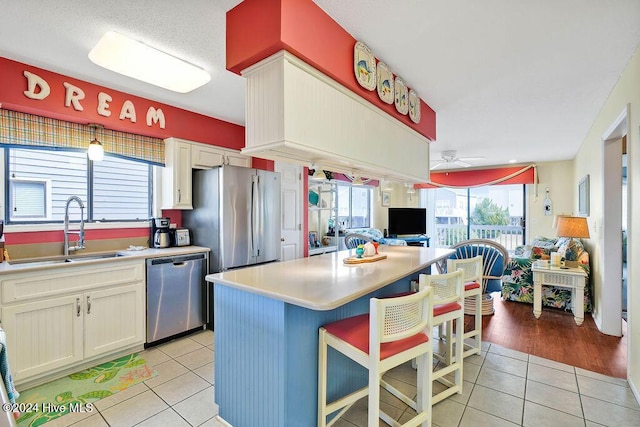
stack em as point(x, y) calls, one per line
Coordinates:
point(385, 83)
point(414, 106)
point(401, 96)
point(364, 66)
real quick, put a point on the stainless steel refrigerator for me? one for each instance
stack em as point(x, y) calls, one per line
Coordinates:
point(236, 213)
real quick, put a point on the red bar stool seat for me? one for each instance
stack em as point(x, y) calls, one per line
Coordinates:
point(396, 330)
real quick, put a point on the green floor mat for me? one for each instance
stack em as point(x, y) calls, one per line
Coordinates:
point(77, 392)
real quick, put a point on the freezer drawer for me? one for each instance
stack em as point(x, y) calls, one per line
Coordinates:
point(175, 295)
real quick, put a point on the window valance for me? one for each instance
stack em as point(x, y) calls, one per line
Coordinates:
point(482, 177)
point(22, 129)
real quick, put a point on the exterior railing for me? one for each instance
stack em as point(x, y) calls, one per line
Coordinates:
point(508, 236)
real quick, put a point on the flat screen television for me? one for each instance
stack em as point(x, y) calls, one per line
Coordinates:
point(405, 221)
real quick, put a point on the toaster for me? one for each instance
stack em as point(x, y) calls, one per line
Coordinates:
point(181, 237)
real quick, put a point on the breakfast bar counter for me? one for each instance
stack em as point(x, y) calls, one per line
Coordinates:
point(266, 321)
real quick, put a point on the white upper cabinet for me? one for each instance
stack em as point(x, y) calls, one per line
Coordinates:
point(205, 156)
point(176, 175)
point(181, 156)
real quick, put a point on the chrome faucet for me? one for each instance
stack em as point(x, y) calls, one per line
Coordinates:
point(80, 233)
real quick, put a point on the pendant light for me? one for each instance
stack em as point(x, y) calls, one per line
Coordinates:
point(95, 150)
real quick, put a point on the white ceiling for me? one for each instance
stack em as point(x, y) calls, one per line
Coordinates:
point(507, 79)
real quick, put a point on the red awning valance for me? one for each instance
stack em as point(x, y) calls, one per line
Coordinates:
point(482, 177)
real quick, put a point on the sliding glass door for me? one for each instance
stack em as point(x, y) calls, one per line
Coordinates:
point(492, 212)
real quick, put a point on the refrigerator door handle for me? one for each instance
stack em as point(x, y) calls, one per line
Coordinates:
point(255, 198)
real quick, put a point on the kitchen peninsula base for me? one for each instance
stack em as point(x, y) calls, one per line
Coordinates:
point(266, 345)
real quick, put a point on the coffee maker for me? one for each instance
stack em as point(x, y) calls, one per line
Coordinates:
point(160, 232)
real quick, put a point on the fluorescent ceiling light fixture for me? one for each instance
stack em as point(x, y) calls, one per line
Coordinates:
point(134, 59)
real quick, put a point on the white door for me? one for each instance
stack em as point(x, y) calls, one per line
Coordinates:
point(291, 179)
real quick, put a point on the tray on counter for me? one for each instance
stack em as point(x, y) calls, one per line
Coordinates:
point(356, 260)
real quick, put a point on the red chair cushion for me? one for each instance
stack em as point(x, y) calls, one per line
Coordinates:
point(471, 285)
point(355, 331)
point(439, 310)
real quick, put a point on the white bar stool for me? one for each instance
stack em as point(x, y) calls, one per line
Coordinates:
point(448, 305)
point(396, 330)
point(472, 279)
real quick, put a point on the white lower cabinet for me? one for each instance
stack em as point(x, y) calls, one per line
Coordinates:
point(113, 319)
point(84, 313)
point(43, 336)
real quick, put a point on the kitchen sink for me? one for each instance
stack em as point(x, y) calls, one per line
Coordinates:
point(64, 259)
point(78, 258)
point(37, 261)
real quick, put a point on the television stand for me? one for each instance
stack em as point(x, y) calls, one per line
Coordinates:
point(414, 240)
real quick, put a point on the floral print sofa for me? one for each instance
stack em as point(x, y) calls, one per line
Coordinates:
point(517, 281)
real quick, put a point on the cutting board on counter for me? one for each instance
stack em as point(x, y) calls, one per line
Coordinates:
point(356, 260)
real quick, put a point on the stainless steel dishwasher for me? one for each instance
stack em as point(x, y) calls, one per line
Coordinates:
point(175, 295)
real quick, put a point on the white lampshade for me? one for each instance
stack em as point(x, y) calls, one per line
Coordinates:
point(95, 151)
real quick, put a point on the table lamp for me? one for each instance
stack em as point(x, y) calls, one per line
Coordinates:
point(572, 226)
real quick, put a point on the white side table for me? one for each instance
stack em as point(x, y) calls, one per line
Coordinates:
point(572, 278)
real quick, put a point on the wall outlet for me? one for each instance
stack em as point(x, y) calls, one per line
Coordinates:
point(414, 286)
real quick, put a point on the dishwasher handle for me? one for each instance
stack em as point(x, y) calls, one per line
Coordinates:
point(176, 260)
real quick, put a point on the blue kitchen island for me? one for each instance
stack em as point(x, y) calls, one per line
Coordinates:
point(266, 321)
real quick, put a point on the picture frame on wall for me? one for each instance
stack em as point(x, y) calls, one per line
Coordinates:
point(386, 199)
point(583, 196)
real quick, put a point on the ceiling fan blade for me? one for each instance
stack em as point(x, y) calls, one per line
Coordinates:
point(471, 158)
point(437, 165)
point(461, 163)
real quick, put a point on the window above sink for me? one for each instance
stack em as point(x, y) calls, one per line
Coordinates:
point(40, 181)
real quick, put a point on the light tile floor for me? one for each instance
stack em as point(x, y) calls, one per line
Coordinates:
point(181, 395)
point(502, 387)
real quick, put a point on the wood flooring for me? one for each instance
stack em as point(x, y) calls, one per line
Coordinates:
point(555, 336)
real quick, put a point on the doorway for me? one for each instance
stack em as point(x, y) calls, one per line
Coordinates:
point(291, 237)
point(624, 229)
point(609, 317)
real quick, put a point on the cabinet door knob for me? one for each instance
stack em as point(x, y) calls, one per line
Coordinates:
point(78, 307)
point(282, 239)
point(88, 304)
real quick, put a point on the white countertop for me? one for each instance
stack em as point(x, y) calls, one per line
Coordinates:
point(45, 262)
point(324, 282)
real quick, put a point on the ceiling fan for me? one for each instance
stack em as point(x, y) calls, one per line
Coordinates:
point(449, 159)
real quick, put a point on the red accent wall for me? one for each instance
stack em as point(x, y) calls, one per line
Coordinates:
point(179, 123)
point(264, 164)
point(257, 29)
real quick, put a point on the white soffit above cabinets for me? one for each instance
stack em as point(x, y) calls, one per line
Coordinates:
point(297, 114)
